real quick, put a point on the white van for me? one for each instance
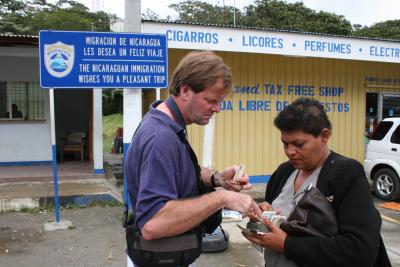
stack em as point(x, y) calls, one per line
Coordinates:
point(382, 160)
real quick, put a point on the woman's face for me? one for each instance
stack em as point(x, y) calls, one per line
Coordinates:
point(304, 150)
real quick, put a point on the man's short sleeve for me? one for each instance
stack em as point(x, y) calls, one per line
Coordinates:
point(158, 181)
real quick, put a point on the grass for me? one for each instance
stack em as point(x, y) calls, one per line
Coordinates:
point(110, 125)
point(50, 207)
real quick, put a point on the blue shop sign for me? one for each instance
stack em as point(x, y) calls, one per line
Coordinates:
point(102, 60)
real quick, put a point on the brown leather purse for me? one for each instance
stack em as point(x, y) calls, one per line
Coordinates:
point(312, 216)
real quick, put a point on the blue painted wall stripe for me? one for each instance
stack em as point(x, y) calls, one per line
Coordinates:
point(257, 179)
point(98, 171)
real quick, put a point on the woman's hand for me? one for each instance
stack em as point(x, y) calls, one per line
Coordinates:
point(273, 240)
point(265, 206)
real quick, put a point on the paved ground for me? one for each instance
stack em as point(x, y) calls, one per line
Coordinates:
point(97, 239)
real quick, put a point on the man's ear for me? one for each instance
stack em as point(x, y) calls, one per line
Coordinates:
point(185, 91)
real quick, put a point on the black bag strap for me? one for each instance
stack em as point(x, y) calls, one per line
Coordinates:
point(214, 220)
point(201, 188)
point(178, 117)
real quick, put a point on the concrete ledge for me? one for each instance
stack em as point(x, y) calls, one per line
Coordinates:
point(12, 204)
point(61, 225)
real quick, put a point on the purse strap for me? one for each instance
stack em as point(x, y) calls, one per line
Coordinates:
point(305, 191)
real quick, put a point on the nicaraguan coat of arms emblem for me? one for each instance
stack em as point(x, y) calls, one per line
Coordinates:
point(59, 59)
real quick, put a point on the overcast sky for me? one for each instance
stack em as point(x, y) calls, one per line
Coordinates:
point(364, 12)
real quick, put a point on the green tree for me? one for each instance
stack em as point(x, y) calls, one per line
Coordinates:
point(280, 15)
point(271, 14)
point(12, 13)
point(29, 17)
point(202, 12)
point(12, 6)
point(150, 15)
point(112, 102)
point(389, 29)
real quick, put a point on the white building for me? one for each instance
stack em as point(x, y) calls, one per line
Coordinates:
point(357, 79)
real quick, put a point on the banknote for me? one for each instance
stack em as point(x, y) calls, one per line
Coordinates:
point(239, 172)
point(227, 213)
point(269, 214)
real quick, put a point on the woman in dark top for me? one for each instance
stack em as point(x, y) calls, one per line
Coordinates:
point(305, 131)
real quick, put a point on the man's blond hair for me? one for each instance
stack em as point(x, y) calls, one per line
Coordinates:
point(198, 70)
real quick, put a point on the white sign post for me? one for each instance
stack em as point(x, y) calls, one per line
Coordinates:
point(58, 224)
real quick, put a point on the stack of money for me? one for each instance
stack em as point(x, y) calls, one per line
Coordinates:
point(257, 226)
point(273, 217)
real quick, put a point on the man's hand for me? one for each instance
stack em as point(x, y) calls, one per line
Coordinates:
point(274, 240)
point(240, 202)
point(225, 178)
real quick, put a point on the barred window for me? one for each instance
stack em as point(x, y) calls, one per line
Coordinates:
point(21, 101)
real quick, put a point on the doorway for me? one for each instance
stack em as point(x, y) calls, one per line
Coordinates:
point(73, 114)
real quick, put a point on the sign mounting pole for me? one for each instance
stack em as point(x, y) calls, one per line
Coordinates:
point(54, 154)
point(58, 224)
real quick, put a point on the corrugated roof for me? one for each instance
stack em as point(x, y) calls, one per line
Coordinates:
point(271, 30)
point(13, 40)
point(9, 39)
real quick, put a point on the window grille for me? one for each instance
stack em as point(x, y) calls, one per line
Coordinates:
point(22, 100)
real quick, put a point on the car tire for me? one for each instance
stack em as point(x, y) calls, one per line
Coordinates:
point(386, 184)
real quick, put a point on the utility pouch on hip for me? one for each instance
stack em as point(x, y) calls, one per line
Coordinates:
point(174, 251)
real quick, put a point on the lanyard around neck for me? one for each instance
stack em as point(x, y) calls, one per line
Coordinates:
point(176, 113)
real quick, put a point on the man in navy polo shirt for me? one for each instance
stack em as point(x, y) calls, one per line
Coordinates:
point(161, 169)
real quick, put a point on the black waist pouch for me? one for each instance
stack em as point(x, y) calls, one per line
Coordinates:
point(212, 222)
point(180, 250)
point(215, 219)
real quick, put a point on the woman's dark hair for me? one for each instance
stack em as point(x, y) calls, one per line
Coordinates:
point(304, 114)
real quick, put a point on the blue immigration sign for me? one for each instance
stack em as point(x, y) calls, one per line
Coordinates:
point(102, 60)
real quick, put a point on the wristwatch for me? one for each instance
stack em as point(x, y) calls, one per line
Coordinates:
point(214, 179)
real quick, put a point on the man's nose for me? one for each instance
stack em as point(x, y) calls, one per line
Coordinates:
point(216, 108)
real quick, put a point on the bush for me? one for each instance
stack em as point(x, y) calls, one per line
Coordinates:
point(112, 102)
